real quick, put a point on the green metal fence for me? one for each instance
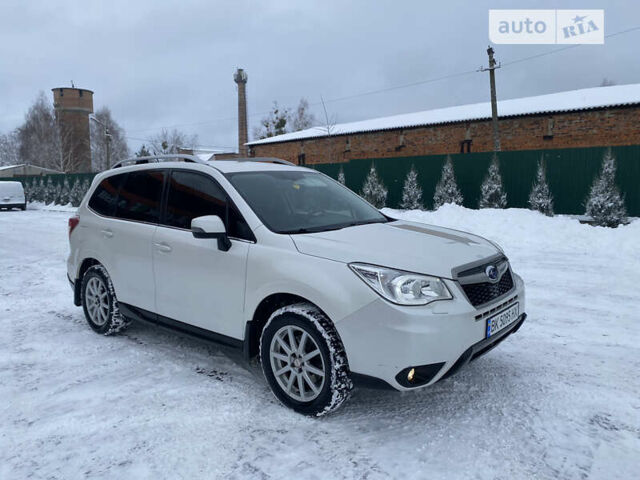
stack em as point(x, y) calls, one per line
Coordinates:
point(53, 189)
point(570, 173)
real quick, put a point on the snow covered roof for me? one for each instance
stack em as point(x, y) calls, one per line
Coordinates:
point(21, 165)
point(204, 156)
point(585, 99)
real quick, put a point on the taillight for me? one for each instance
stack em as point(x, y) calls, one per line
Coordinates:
point(73, 223)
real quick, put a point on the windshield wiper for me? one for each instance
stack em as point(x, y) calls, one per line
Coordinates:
point(313, 229)
point(328, 228)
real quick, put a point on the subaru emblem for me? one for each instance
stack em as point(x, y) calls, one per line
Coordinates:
point(492, 272)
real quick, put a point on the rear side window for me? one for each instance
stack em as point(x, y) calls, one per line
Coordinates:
point(103, 200)
point(139, 197)
point(194, 195)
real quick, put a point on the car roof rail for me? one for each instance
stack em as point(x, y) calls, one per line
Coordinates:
point(262, 160)
point(168, 157)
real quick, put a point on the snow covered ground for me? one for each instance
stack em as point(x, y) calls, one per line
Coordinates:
point(560, 399)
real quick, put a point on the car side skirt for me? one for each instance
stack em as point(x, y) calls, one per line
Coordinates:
point(139, 314)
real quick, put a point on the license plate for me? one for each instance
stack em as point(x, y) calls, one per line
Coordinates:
point(502, 320)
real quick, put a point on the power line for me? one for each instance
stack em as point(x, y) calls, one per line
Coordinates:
point(568, 47)
point(209, 146)
point(397, 87)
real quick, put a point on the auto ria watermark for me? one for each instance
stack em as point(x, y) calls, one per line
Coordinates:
point(546, 26)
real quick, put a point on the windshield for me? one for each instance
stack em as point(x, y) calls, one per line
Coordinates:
point(302, 202)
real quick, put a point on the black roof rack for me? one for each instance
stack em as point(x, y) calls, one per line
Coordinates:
point(173, 157)
point(169, 157)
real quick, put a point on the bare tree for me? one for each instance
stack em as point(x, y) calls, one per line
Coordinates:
point(302, 118)
point(118, 143)
point(39, 136)
point(171, 141)
point(607, 83)
point(9, 148)
point(330, 122)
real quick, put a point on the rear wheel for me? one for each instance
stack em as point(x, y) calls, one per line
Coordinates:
point(99, 302)
point(303, 360)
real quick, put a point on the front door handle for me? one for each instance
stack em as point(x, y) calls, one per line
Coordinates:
point(107, 233)
point(163, 247)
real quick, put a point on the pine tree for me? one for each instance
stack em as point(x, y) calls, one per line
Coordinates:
point(75, 196)
point(540, 198)
point(86, 184)
point(373, 190)
point(28, 189)
point(341, 178)
point(38, 195)
point(605, 204)
point(492, 194)
point(57, 193)
point(447, 190)
point(65, 192)
point(49, 192)
point(143, 152)
point(411, 192)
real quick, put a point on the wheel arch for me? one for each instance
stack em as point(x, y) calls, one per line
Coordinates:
point(77, 285)
point(261, 314)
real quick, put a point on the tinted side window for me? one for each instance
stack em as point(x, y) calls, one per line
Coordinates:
point(139, 197)
point(193, 195)
point(103, 200)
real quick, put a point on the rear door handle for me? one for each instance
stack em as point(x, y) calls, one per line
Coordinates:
point(107, 233)
point(163, 247)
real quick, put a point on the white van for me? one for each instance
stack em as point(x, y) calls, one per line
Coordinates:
point(12, 195)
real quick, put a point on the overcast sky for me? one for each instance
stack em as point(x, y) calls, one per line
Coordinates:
point(170, 63)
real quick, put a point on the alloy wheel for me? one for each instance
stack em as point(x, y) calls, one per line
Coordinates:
point(297, 363)
point(97, 301)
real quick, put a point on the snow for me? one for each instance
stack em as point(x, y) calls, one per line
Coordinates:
point(559, 399)
point(583, 99)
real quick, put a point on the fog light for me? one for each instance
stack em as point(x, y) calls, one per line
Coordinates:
point(410, 375)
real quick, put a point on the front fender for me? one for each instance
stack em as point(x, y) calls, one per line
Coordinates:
point(328, 284)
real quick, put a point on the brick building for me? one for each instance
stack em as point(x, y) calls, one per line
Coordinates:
point(603, 116)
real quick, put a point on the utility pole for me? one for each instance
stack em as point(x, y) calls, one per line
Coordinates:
point(494, 102)
point(107, 138)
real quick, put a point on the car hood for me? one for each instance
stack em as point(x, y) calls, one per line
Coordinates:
point(411, 246)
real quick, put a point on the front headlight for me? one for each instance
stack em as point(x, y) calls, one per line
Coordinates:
point(403, 288)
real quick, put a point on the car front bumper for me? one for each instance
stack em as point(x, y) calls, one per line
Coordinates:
point(384, 341)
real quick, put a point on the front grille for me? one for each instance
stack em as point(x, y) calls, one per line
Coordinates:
point(481, 293)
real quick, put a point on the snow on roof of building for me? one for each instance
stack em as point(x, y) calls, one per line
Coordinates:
point(585, 99)
point(21, 165)
point(204, 156)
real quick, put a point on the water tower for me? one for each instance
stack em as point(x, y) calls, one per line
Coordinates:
point(72, 107)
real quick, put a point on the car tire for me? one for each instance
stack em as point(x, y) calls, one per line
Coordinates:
point(304, 361)
point(23, 207)
point(99, 302)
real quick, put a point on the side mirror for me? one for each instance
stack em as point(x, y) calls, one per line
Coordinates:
point(211, 226)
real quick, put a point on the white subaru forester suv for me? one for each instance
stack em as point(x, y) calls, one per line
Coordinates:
point(289, 266)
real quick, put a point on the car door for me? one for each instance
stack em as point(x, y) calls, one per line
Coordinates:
point(196, 283)
point(128, 237)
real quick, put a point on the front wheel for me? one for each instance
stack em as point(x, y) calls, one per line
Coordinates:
point(99, 302)
point(304, 361)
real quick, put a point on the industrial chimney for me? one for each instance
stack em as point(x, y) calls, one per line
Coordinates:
point(72, 107)
point(240, 77)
